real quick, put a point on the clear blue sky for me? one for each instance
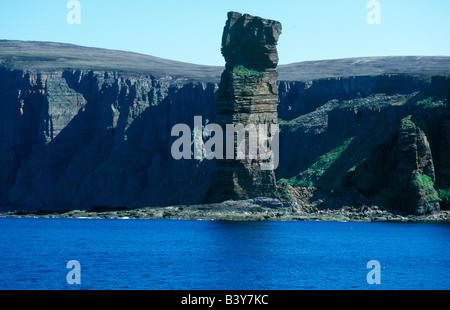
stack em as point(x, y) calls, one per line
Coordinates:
point(191, 31)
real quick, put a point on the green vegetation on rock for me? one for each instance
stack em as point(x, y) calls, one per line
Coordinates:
point(376, 101)
point(407, 123)
point(309, 177)
point(444, 194)
point(430, 102)
point(425, 186)
point(246, 72)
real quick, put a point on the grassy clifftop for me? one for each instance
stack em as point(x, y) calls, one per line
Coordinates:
point(30, 55)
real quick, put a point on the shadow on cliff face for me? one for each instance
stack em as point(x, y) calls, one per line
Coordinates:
point(116, 150)
point(388, 147)
point(300, 98)
point(20, 107)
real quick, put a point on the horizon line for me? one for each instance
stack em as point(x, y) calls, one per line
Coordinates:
point(206, 65)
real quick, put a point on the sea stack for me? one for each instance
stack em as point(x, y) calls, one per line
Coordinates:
point(247, 96)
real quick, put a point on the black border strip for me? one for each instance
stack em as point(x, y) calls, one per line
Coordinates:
point(267, 298)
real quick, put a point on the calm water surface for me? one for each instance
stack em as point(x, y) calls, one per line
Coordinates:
point(177, 254)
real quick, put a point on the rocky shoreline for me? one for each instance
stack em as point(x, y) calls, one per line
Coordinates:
point(258, 209)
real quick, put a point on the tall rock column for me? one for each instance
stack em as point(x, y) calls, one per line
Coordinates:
point(247, 96)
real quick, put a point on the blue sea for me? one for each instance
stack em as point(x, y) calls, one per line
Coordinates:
point(124, 254)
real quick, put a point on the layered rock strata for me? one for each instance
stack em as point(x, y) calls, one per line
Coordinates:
point(247, 96)
point(84, 139)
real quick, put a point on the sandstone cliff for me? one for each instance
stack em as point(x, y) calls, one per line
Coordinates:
point(79, 138)
point(384, 136)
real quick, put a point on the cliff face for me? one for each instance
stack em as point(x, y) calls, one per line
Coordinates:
point(247, 96)
point(75, 139)
point(79, 139)
point(385, 136)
